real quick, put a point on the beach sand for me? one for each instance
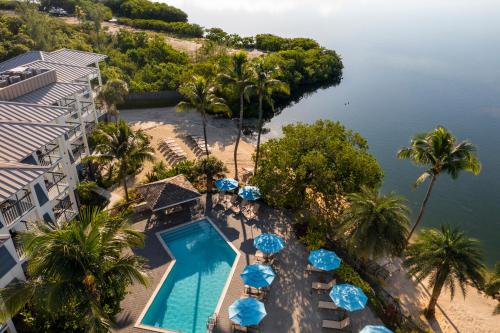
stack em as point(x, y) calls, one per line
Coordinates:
point(161, 123)
point(475, 313)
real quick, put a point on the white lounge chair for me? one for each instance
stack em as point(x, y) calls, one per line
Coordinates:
point(337, 325)
point(323, 286)
point(327, 305)
point(311, 268)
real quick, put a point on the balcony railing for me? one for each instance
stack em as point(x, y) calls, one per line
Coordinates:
point(49, 155)
point(63, 210)
point(75, 132)
point(89, 126)
point(16, 207)
point(77, 150)
point(56, 184)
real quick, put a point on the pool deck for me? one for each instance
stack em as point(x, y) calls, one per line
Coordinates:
point(291, 305)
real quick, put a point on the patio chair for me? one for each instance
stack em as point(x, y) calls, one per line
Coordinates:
point(320, 286)
point(311, 268)
point(337, 325)
point(327, 305)
point(238, 328)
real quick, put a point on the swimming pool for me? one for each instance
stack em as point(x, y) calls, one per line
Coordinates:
point(192, 287)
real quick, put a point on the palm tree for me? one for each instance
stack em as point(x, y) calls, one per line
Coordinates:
point(264, 86)
point(112, 94)
point(439, 152)
point(241, 77)
point(123, 146)
point(79, 13)
point(200, 95)
point(210, 168)
point(374, 224)
point(447, 257)
point(493, 285)
point(77, 268)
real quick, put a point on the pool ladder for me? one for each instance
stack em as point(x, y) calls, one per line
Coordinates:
point(211, 322)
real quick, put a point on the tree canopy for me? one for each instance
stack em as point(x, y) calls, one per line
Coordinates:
point(323, 157)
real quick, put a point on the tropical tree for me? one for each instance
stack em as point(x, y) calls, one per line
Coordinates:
point(78, 270)
point(200, 95)
point(240, 77)
point(112, 94)
point(79, 13)
point(209, 169)
point(264, 86)
point(493, 285)
point(375, 224)
point(448, 258)
point(128, 149)
point(439, 153)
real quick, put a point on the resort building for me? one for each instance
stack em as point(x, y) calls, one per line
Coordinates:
point(47, 110)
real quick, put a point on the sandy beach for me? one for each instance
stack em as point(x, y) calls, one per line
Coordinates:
point(161, 123)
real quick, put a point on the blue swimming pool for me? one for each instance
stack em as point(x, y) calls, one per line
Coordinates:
point(192, 289)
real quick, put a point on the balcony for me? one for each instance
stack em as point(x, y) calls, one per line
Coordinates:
point(74, 133)
point(49, 155)
point(77, 151)
point(17, 245)
point(16, 207)
point(89, 127)
point(63, 210)
point(56, 184)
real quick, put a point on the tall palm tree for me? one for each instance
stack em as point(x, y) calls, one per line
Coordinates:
point(439, 152)
point(264, 86)
point(375, 225)
point(210, 168)
point(112, 94)
point(240, 77)
point(448, 258)
point(125, 147)
point(77, 268)
point(200, 95)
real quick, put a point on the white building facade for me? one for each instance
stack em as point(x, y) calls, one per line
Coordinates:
point(47, 110)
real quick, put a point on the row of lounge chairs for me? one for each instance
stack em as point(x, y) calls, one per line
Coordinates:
point(197, 144)
point(172, 151)
point(340, 325)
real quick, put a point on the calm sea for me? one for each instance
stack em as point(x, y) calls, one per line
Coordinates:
point(409, 66)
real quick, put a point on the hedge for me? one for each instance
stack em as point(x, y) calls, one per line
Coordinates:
point(177, 28)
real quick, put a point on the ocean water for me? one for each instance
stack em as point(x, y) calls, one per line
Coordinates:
point(409, 66)
point(191, 291)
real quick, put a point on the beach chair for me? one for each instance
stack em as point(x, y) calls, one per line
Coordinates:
point(238, 328)
point(320, 286)
point(337, 325)
point(327, 305)
point(311, 268)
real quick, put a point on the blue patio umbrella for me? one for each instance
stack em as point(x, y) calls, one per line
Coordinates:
point(258, 275)
point(269, 243)
point(249, 193)
point(226, 184)
point(375, 329)
point(247, 311)
point(324, 259)
point(348, 297)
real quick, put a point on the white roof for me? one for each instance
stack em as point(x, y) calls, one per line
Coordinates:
point(20, 139)
point(16, 176)
point(37, 113)
point(52, 93)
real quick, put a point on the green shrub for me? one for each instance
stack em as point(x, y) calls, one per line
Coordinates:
point(8, 4)
point(160, 171)
point(177, 28)
point(144, 9)
point(88, 197)
point(268, 42)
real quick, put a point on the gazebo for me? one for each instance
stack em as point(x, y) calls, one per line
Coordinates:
point(170, 194)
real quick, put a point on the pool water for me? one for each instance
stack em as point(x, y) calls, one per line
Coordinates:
point(190, 293)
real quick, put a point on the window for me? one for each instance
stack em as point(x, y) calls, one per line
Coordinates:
point(40, 194)
point(7, 262)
